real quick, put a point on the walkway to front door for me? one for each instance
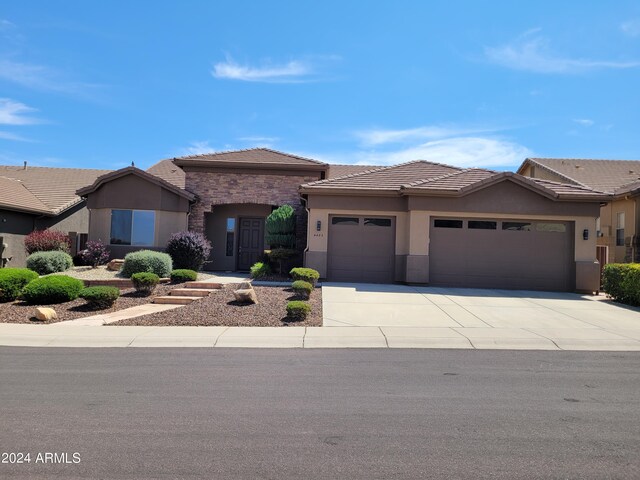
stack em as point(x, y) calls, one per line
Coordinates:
point(251, 242)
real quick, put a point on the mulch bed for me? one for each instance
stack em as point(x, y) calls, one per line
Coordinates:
point(220, 308)
point(21, 312)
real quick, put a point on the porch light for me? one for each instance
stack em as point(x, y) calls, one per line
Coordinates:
point(585, 234)
point(318, 225)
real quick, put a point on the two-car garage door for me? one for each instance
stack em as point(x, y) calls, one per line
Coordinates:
point(490, 253)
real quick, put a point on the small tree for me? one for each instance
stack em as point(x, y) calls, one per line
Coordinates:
point(281, 228)
point(189, 250)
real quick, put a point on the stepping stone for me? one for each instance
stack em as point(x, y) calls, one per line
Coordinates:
point(191, 292)
point(211, 285)
point(175, 300)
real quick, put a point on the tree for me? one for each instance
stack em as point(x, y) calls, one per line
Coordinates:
point(281, 228)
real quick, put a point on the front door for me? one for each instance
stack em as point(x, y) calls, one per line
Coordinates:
point(251, 242)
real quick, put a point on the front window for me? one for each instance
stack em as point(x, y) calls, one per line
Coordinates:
point(620, 229)
point(231, 229)
point(133, 227)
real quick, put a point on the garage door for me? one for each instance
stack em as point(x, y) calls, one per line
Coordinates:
point(361, 249)
point(513, 254)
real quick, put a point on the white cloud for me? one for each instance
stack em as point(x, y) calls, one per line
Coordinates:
point(585, 122)
point(39, 77)
point(14, 113)
point(197, 148)
point(13, 137)
point(294, 71)
point(375, 137)
point(631, 27)
point(534, 54)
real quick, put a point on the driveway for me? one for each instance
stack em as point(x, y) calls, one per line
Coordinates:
point(478, 318)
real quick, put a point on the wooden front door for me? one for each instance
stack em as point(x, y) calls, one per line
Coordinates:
point(251, 242)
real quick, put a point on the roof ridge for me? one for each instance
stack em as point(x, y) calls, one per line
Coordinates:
point(583, 159)
point(554, 171)
point(448, 175)
point(31, 167)
point(223, 152)
point(579, 187)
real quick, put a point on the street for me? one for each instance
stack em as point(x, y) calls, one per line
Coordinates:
point(292, 413)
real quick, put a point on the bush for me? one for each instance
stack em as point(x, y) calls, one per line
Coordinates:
point(307, 274)
point(12, 281)
point(52, 289)
point(260, 269)
point(302, 288)
point(47, 241)
point(45, 263)
point(145, 282)
point(621, 281)
point(147, 261)
point(99, 298)
point(189, 250)
point(183, 275)
point(280, 227)
point(298, 310)
point(95, 254)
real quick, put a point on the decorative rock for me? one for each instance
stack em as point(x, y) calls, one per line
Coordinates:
point(44, 314)
point(245, 295)
point(245, 286)
point(115, 264)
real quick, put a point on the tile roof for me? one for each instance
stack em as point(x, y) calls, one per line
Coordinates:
point(454, 182)
point(252, 156)
point(169, 172)
point(15, 196)
point(55, 188)
point(343, 170)
point(384, 178)
point(602, 175)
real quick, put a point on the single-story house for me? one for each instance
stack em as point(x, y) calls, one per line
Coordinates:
point(36, 198)
point(418, 222)
point(618, 225)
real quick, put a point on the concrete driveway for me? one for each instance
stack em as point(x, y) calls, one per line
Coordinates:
point(476, 318)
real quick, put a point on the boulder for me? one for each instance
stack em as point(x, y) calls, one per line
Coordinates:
point(245, 286)
point(115, 264)
point(245, 295)
point(44, 314)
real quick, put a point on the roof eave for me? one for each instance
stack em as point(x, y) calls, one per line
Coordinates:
point(254, 165)
point(349, 191)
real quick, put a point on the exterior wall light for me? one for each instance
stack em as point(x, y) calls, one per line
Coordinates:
point(585, 234)
point(318, 225)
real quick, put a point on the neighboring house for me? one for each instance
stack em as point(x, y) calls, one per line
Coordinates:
point(619, 220)
point(35, 198)
point(422, 222)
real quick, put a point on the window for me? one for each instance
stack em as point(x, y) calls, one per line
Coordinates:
point(551, 227)
point(345, 221)
point(620, 229)
point(516, 226)
point(482, 225)
point(133, 227)
point(598, 228)
point(377, 222)
point(447, 223)
point(231, 232)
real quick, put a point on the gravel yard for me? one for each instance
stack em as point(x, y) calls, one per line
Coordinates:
point(20, 312)
point(220, 308)
point(101, 273)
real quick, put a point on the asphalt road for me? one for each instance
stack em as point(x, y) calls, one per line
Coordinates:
point(335, 414)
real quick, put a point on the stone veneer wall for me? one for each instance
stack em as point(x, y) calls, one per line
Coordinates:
point(218, 188)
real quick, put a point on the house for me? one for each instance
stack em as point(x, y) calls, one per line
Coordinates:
point(35, 198)
point(619, 220)
point(418, 222)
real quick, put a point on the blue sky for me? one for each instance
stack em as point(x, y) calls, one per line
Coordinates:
point(470, 83)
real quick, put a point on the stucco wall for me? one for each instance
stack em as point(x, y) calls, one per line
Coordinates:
point(608, 224)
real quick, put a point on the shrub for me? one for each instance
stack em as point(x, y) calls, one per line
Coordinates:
point(52, 289)
point(183, 275)
point(145, 282)
point(298, 310)
point(99, 298)
point(147, 261)
point(12, 281)
point(45, 263)
point(280, 227)
point(621, 281)
point(302, 288)
point(95, 254)
point(46, 241)
point(307, 274)
point(260, 269)
point(189, 250)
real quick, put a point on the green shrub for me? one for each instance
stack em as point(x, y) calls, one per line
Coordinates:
point(45, 263)
point(183, 275)
point(147, 261)
point(302, 288)
point(12, 281)
point(52, 289)
point(280, 227)
point(307, 274)
point(621, 281)
point(188, 250)
point(145, 282)
point(99, 298)
point(260, 269)
point(298, 310)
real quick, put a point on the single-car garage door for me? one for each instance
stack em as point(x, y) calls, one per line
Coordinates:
point(361, 249)
point(513, 254)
